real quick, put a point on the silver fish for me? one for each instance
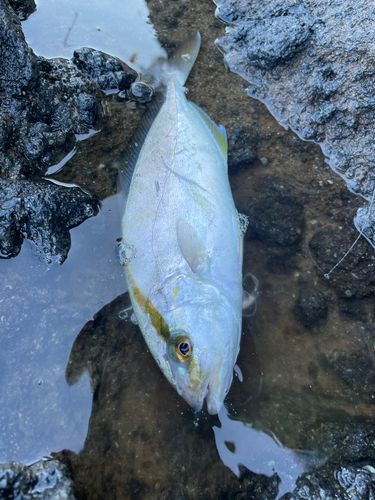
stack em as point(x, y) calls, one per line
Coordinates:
point(182, 239)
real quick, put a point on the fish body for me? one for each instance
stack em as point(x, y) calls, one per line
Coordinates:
point(183, 246)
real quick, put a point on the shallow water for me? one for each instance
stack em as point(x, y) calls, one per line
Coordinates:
point(43, 308)
point(60, 26)
point(303, 389)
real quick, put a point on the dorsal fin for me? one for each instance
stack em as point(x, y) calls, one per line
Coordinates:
point(218, 132)
point(129, 157)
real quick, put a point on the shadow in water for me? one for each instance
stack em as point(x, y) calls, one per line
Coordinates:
point(143, 441)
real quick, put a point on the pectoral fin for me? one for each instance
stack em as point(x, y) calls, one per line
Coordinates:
point(191, 245)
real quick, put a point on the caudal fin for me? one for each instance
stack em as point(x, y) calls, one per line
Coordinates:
point(183, 60)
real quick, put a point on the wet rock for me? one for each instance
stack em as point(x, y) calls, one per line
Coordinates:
point(310, 308)
point(242, 147)
point(106, 71)
point(276, 38)
point(44, 212)
point(44, 104)
point(23, 7)
point(47, 102)
point(275, 217)
point(355, 367)
point(261, 486)
point(296, 57)
point(353, 310)
point(18, 62)
point(348, 482)
point(354, 277)
point(44, 480)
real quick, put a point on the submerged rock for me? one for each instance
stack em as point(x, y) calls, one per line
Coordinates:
point(310, 308)
point(354, 278)
point(44, 480)
point(276, 217)
point(44, 213)
point(311, 63)
point(347, 482)
point(242, 148)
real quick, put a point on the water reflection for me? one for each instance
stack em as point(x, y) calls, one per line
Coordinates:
point(42, 308)
point(239, 443)
point(120, 29)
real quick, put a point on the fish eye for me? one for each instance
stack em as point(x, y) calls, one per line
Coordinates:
point(181, 348)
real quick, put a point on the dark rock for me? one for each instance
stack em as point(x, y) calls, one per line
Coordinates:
point(296, 56)
point(23, 7)
point(106, 71)
point(356, 368)
point(275, 217)
point(38, 121)
point(347, 482)
point(274, 214)
point(310, 308)
point(354, 277)
point(45, 103)
point(18, 62)
point(44, 480)
point(242, 147)
point(353, 310)
point(276, 39)
point(44, 212)
point(261, 487)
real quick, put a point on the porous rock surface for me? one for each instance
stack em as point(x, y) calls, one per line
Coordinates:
point(45, 103)
point(44, 480)
point(44, 212)
point(311, 63)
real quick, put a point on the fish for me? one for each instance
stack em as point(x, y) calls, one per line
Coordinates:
point(182, 241)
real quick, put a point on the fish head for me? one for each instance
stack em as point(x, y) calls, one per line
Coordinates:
point(201, 353)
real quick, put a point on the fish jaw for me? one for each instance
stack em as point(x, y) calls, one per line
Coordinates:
point(203, 379)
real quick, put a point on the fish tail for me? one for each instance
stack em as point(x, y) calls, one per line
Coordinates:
point(183, 60)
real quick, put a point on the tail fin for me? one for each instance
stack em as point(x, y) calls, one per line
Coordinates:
point(183, 60)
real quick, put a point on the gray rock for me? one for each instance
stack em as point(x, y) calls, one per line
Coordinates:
point(44, 480)
point(312, 64)
point(44, 212)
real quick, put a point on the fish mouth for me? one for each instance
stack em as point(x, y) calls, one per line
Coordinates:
point(208, 383)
